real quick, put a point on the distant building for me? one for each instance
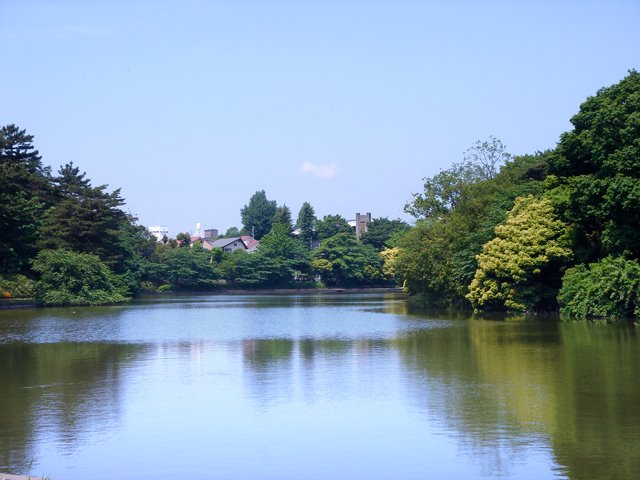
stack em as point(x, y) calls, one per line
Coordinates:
point(159, 232)
point(361, 223)
point(250, 243)
point(211, 233)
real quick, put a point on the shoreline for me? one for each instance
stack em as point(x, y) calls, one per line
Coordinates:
point(30, 303)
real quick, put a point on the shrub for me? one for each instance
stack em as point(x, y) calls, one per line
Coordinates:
point(71, 278)
point(609, 288)
point(17, 286)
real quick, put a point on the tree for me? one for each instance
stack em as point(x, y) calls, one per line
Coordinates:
point(487, 156)
point(609, 288)
point(283, 217)
point(443, 191)
point(341, 260)
point(71, 278)
point(86, 219)
point(286, 255)
point(520, 268)
point(185, 268)
point(24, 194)
point(183, 239)
point(232, 232)
point(331, 225)
point(599, 162)
point(257, 215)
point(306, 223)
point(381, 230)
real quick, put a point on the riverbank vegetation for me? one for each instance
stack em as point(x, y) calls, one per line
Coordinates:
point(553, 230)
point(558, 229)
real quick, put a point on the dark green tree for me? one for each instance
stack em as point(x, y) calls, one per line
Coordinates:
point(609, 288)
point(183, 239)
point(24, 194)
point(381, 230)
point(72, 278)
point(86, 219)
point(285, 255)
point(599, 163)
point(306, 223)
point(342, 260)
point(283, 217)
point(257, 215)
point(185, 268)
point(331, 225)
point(232, 232)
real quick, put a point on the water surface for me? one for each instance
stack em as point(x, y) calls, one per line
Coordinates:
point(313, 387)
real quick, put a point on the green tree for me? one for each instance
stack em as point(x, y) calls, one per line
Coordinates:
point(24, 194)
point(443, 191)
point(331, 225)
point(599, 162)
point(183, 240)
point(381, 230)
point(487, 156)
point(257, 215)
point(86, 219)
point(71, 278)
point(437, 258)
point(609, 288)
point(232, 232)
point(284, 255)
point(343, 261)
point(520, 268)
point(306, 223)
point(283, 217)
point(185, 268)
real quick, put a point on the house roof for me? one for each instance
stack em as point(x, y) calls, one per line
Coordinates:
point(249, 241)
point(223, 242)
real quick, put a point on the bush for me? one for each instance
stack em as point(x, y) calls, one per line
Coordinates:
point(609, 288)
point(71, 278)
point(17, 286)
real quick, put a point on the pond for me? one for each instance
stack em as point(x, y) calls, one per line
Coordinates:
point(313, 387)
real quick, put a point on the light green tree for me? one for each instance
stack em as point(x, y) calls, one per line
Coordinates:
point(519, 268)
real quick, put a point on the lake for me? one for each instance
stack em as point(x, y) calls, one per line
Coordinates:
point(313, 387)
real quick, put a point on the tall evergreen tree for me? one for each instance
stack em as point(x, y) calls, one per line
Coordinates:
point(307, 223)
point(86, 219)
point(257, 215)
point(283, 217)
point(24, 191)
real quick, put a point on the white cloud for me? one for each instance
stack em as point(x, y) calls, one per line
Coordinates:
point(322, 171)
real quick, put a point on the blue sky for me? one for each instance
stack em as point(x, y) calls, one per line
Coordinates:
point(192, 106)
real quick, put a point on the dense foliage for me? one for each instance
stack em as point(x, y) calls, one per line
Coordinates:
point(609, 288)
point(499, 232)
point(554, 229)
point(71, 278)
point(518, 268)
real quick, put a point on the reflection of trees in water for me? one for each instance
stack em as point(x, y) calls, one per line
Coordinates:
point(57, 389)
point(501, 386)
point(274, 368)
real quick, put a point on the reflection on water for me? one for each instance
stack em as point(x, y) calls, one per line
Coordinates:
point(345, 386)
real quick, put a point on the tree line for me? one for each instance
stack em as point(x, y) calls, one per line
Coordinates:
point(65, 241)
point(548, 231)
point(554, 230)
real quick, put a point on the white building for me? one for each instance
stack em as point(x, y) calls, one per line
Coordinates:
point(159, 232)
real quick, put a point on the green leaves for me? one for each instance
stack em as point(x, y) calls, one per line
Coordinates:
point(341, 260)
point(516, 268)
point(609, 288)
point(257, 215)
point(70, 278)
